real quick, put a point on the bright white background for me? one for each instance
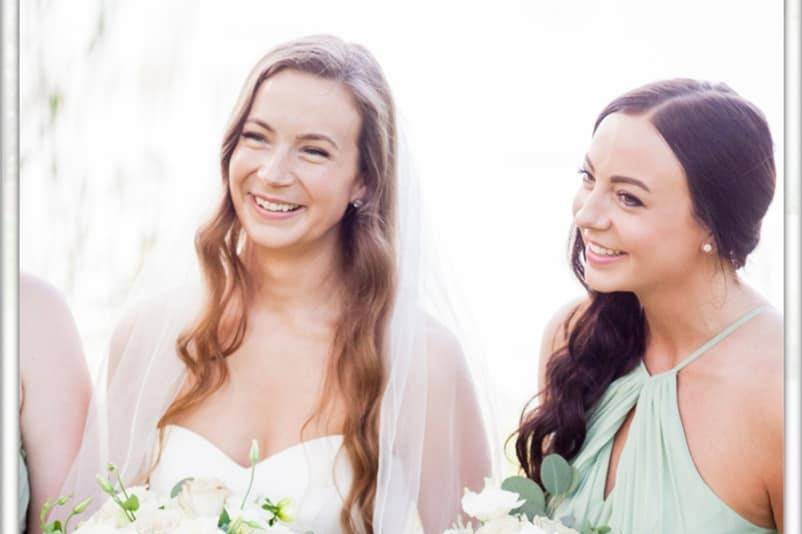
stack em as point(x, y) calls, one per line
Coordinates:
point(123, 106)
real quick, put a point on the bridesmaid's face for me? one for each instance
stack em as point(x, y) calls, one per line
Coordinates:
point(294, 169)
point(634, 209)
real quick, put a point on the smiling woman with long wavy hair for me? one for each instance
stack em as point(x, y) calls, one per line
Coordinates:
point(307, 333)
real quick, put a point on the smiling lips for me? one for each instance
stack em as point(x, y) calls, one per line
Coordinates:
point(598, 254)
point(275, 206)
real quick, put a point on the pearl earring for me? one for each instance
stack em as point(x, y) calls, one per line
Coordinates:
point(707, 248)
point(357, 203)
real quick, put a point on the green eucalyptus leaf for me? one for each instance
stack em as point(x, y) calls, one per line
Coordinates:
point(177, 488)
point(131, 503)
point(535, 500)
point(557, 475)
point(224, 520)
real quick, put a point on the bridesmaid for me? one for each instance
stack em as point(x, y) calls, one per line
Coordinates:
point(664, 385)
point(54, 396)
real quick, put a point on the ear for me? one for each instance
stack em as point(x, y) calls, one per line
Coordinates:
point(708, 241)
point(358, 189)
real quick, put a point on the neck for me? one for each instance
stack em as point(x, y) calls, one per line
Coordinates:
point(305, 279)
point(683, 314)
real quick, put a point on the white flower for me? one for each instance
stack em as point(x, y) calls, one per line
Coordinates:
point(197, 525)
point(156, 521)
point(203, 497)
point(529, 528)
point(491, 503)
point(501, 525)
point(459, 530)
point(88, 528)
point(545, 525)
point(286, 510)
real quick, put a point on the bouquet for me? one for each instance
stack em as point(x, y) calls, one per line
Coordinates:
point(520, 506)
point(194, 506)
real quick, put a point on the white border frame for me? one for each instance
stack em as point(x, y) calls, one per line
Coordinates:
point(9, 266)
point(793, 142)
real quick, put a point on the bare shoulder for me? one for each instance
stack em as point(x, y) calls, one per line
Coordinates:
point(38, 297)
point(557, 331)
point(762, 373)
point(46, 322)
point(147, 318)
point(443, 349)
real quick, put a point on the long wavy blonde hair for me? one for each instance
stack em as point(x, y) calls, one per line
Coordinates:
point(356, 370)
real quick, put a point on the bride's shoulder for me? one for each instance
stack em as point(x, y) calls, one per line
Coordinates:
point(151, 316)
point(444, 353)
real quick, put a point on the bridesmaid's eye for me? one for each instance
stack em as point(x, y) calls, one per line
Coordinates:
point(629, 200)
point(587, 178)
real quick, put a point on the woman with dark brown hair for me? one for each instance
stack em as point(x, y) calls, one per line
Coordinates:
point(664, 385)
point(308, 333)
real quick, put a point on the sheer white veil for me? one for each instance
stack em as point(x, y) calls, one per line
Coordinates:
point(436, 410)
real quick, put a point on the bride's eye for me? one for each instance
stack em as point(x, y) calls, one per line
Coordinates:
point(254, 136)
point(316, 152)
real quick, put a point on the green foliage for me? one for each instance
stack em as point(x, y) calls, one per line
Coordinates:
point(177, 488)
point(529, 491)
point(557, 475)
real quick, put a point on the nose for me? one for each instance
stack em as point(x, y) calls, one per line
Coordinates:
point(276, 170)
point(591, 211)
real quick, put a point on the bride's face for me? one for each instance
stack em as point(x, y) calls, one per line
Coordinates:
point(634, 209)
point(295, 167)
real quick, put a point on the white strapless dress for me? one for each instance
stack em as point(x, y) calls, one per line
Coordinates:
point(312, 473)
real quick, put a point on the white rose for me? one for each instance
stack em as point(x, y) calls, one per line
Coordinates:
point(203, 497)
point(491, 503)
point(549, 526)
point(155, 521)
point(502, 525)
point(529, 528)
point(88, 528)
point(197, 525)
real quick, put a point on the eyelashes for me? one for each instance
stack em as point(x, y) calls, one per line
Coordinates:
point(312, 151)
point(625, 198)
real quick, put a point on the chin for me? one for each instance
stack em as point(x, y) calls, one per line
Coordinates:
point(606, 283)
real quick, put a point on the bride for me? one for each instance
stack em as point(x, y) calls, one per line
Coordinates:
point(308, 334)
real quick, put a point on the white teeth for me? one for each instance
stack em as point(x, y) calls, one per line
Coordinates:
point(274, 206)
point(601, 251)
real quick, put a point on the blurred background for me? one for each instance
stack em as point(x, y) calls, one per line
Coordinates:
point(123, 106)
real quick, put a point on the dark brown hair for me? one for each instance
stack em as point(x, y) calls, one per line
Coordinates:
point(725, 148)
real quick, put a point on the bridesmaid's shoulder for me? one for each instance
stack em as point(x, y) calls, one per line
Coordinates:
point(37, 296)
point(557, 330)
point(559, 327)
point(762, 371)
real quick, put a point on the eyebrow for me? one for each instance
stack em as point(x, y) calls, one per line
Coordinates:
point(306, 137)
point(618, 179)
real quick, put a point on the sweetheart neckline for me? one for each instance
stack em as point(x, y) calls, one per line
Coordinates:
point(300, 445)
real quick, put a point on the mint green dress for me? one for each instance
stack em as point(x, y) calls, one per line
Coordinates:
point(657, 487)
point(24, 492)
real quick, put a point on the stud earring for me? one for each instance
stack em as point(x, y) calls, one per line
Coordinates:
point(707, 248)
point(357, 203)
